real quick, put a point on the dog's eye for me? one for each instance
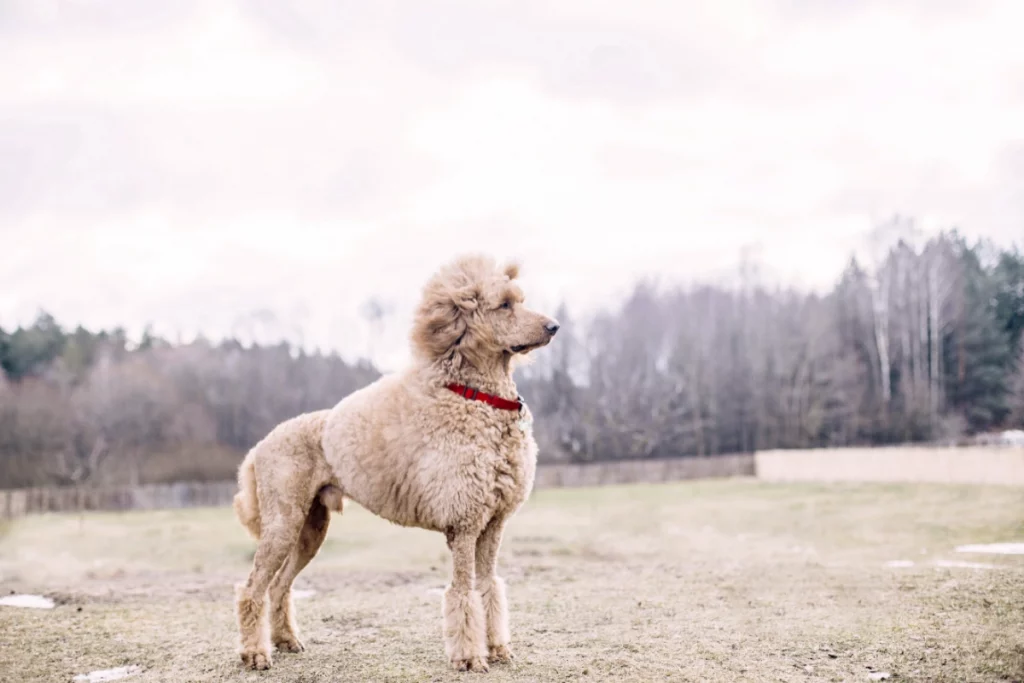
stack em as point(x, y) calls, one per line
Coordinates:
point(505, 305)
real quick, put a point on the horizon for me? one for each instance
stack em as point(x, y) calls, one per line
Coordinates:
point(395, 325)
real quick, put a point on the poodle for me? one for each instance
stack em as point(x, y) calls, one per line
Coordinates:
point(445, 445)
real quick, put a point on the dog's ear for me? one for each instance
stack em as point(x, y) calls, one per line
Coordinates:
point(440, 322)
point(512, 270)
point(466, 298)
point(438, 327)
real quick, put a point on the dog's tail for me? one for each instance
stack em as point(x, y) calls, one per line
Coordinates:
point(247, 507)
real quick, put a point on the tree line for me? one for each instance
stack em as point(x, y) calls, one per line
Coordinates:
point(922, 344)
point(82, 407)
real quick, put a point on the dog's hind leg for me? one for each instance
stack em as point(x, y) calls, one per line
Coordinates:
point(283, 631)
point(492, 591)
point(465, 637)
point(281, 527)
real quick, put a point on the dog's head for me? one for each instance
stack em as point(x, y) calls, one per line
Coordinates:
point(473, 307)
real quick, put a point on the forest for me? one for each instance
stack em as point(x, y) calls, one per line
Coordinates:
point(923, 344)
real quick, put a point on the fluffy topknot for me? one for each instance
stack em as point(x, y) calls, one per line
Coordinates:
point(449, 297)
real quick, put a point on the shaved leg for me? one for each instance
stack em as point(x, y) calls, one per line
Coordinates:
point(465, 636)
point(492, 592)
point(283, 632)
point(279, 535)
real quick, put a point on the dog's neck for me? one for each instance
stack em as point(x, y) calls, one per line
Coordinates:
point(492, 378)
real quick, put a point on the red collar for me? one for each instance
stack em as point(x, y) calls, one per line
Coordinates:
point(496, 401)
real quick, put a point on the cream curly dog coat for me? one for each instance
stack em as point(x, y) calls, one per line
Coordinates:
point(445, 446)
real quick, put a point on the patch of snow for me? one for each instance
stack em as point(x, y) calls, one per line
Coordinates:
point(435, 591)
point(899, 563)
point(879, 675)
point(108, 674)
point(964, 565)
point(1010, 437)
point(1013, 437)
point(32, 601)
point(303, 593)
point(993, 548)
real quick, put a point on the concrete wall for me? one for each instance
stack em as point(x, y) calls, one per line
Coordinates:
point(979, 465)
point(201, 494)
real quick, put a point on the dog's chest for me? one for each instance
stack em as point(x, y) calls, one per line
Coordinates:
point(514, 462)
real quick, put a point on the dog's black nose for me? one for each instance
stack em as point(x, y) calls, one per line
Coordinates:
point(551, 327)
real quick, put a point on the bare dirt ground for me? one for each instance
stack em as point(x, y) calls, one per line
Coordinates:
point(701, 581)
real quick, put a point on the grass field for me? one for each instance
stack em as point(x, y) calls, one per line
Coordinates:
point(702, 581)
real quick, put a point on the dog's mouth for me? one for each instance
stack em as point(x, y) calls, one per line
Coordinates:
point(525, 348)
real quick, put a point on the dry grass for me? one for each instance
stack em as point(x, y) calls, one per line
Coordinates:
point(701, 581)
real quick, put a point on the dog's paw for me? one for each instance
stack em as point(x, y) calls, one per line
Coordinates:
point(256, 659)
point(289, 645)
point(475, 664)
point(500, 654)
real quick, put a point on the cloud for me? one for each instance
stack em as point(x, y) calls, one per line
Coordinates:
point(198, 164)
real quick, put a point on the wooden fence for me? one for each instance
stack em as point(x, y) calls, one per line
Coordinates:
point(644, 471)
point(967, 465)
point(16, 503)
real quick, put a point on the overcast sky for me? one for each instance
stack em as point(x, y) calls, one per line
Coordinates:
point(203, 164)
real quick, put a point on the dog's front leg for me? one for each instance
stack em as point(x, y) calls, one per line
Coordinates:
point(465, 635)
point(492, 592)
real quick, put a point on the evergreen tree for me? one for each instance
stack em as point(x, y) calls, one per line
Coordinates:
point(978, 354)
point(1009, 295)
